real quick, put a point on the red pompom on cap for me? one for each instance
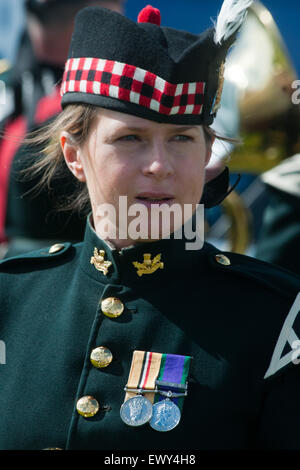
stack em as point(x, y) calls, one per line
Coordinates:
point(150, 15)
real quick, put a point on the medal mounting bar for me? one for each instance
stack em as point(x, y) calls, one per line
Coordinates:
point(162, 383)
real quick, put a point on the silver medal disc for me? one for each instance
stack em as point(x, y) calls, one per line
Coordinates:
point(165, 416)
point(136, 411)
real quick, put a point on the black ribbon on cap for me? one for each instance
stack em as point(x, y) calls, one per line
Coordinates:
point(216, 190)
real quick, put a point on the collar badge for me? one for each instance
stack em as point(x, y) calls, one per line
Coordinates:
point(98, 261)
point(149, 266)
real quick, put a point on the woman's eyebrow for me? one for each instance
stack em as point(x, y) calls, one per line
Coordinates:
point(135, 129)
point(175, 129)
point(184, 128)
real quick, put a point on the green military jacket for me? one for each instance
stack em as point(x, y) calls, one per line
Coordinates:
point(235, 316)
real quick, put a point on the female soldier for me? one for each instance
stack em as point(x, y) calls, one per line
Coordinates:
point(121, 342)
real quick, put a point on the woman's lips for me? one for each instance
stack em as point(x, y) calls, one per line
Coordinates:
point(149, 199)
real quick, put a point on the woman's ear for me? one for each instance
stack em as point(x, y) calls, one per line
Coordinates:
point(214, 165)
point(73, 155)
point(209, 144)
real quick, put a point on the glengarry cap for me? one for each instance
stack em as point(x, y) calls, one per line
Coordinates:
point(149, 70)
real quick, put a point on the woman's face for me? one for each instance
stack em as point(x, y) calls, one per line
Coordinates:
point(148, 162)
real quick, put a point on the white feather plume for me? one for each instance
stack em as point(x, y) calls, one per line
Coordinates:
point(231, 16)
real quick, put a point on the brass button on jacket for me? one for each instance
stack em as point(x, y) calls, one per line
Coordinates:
point(112, 307)
point(56, 248)
point(52, 448)
point(222, 259)
point(87, 406)
point(101, 357)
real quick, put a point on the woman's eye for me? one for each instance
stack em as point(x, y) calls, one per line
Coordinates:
point(182, 138)
point(129, 138)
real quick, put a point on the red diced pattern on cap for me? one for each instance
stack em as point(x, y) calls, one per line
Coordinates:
point(132, 84)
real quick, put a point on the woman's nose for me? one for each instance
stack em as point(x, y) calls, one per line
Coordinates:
point(158, 161)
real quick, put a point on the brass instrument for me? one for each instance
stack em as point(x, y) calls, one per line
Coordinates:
point(262, 74)
point(4, 66)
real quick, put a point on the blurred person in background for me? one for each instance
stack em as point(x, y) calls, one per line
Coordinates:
point(31, 99)
point(280, 234)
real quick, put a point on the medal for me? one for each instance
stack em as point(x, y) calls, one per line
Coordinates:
point(172, 384)
point(164, 378)
point(165, 415)
point(136, 411)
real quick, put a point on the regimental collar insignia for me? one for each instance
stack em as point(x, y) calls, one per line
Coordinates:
point(98, 261)
point(149, 266)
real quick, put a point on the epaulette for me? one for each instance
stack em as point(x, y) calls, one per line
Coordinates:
point(287, 350)
point(54, 252)
point(272, 277)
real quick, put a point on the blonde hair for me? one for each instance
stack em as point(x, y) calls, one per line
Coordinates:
point(48, 161)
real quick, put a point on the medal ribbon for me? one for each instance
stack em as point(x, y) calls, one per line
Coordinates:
point(175, 370)
point(144, 370)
